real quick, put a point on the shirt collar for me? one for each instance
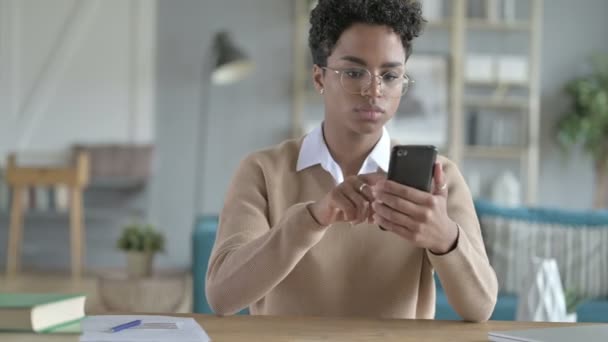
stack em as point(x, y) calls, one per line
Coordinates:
point(314, 151)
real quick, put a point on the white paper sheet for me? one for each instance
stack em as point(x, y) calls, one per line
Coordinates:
point(97, 329)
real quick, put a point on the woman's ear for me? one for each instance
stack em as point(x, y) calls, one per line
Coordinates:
point(318, 78)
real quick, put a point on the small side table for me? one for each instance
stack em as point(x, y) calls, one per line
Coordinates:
point(165, 291)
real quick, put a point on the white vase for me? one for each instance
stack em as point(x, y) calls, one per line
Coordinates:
point(506, 191)
point(542, 298)
point(139, 264)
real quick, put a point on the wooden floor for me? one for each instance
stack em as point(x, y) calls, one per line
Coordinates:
point(43, 282)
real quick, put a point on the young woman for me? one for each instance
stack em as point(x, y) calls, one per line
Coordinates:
point(299, 232)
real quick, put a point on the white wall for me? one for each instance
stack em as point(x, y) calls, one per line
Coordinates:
point(75, 71)
point(242, 117)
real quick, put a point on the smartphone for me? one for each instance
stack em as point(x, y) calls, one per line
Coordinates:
point(413, 165)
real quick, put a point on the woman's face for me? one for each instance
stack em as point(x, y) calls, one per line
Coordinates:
point(372, 47)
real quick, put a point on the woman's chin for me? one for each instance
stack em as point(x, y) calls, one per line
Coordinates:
point(367, 126)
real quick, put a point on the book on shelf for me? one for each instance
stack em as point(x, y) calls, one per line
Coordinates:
point(40, 312)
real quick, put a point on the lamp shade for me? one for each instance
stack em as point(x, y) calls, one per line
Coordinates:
point(231, 63)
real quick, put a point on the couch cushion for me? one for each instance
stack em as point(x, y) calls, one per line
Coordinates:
point(577, 240)
point(593, 311)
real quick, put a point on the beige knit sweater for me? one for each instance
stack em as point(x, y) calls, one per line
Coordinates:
point(272, 256)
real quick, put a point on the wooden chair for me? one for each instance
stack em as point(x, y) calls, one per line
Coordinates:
point(75, 177)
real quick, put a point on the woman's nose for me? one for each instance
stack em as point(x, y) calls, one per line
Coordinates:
point(375, 87)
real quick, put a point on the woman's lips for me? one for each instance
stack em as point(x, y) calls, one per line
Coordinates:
point(370, 116)
point(370, 112)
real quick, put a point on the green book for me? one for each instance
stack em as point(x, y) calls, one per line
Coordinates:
point(41, 312)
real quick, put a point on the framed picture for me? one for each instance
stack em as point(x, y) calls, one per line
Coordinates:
point(422, 116)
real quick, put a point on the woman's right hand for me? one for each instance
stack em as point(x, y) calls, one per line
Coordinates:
point(350, 201)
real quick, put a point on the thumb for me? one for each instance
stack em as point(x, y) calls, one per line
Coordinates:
point(440, 185)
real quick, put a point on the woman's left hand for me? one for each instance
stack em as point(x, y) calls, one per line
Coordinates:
point(415, 215)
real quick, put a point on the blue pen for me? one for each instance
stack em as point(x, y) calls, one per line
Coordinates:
point(126, 325)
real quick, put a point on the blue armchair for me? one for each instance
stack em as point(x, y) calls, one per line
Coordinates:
point(203, 238)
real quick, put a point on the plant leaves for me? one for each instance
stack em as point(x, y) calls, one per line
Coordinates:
point(586, 121)
point(141, 238)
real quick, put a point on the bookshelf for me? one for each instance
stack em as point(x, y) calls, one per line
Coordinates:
point(514, 99)
point(518, 100)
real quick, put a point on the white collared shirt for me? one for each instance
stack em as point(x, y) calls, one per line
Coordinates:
point(314, 151)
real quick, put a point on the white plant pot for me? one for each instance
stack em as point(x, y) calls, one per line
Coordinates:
point(139, 264)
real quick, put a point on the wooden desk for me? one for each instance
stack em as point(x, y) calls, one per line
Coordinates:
point(271, 329)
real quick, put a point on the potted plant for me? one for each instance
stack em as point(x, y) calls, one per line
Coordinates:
point(140, 242)
point(586, 122)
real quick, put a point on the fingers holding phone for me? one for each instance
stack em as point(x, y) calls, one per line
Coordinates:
point(413, 202)
point(419, 217)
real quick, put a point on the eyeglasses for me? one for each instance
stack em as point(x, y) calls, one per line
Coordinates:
point(359, 80)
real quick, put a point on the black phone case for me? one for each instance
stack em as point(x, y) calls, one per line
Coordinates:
point(413, 165)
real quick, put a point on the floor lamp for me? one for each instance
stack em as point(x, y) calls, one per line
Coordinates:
point(226, 64)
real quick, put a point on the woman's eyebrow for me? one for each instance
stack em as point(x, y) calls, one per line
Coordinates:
point(392, 64)
point(360, 61)
point(354, 59)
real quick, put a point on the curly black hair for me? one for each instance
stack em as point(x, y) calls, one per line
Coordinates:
point(332, 17)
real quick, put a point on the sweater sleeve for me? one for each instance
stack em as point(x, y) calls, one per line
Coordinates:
point(465, 273)
point(249, 257)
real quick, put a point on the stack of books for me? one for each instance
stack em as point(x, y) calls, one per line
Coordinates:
point(41, 313)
